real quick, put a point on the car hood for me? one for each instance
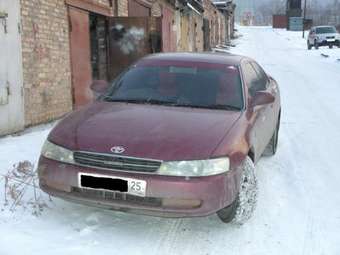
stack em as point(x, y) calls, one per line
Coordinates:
point(145, 131)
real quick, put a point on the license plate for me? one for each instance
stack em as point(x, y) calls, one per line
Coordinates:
point(111, 183)
point(330, 40)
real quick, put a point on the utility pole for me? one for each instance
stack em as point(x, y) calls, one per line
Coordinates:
point(304, 19)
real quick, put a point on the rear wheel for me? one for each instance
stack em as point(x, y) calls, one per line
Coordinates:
point(309, 46)
point(244, 206)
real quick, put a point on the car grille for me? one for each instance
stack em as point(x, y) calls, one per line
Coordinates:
point(116, 197)
point(116, 162)
point(330, 37)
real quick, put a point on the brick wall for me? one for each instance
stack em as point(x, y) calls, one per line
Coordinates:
point(46, 60)
point(123, 8)
point(156, 9)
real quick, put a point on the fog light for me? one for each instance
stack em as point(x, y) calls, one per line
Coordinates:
point(181, 203)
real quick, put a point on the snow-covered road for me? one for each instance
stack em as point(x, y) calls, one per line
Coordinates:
point(299, 203)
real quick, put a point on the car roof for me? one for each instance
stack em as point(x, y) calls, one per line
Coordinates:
point(206, 57)
point(323, 26)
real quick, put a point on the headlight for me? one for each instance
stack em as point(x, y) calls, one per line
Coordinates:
point(195, 167)
point(55, 152)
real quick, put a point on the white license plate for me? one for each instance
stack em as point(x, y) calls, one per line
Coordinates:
point(136, 187)
point(330, 40)
point(112, 183)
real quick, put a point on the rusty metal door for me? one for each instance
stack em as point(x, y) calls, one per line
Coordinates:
point(11, 74)
point(136, 9)
point(131, 38)
point(168, 35)
point(80, 56)
point(185, 34)
point(206, 34)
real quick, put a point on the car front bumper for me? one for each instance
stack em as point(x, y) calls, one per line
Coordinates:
point(166, 196)
point(324, 42)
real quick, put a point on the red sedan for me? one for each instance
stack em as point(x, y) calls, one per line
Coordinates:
point(175, 135)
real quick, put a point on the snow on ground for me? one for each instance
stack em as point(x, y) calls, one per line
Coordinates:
point(299, 203)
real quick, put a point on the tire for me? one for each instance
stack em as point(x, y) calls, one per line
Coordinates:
point(271, 148)
point(330, 46)
point(309, 46)
point(244, 206)
point(316, 45)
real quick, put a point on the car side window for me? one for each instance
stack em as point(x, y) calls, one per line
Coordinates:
point(252, 79)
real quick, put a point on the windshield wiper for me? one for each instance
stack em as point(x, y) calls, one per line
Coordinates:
point(171, 103)
point(225, 107)
point(212, 107)
point(139, 101)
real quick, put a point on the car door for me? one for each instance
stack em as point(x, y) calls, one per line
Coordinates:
point(271, 111)
point(255, 114)
point(259, 133)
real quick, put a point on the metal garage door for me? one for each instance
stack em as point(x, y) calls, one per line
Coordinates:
point(11, 81)
point(80, 56)
point(137, 8)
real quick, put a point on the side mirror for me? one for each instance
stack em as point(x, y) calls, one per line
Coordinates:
point(262, 98)
point(99, 87)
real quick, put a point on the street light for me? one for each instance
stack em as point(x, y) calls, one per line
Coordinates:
point(304, 19)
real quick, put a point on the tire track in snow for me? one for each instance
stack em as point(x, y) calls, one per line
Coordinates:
point(167, 243)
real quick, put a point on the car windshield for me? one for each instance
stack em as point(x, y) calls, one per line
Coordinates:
point(186, 85)
point(325, 30)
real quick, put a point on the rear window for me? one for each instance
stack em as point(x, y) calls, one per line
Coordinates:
point(181, 84)
point(325, 30)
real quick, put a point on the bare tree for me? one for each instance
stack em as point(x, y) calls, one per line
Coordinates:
point(326, 12)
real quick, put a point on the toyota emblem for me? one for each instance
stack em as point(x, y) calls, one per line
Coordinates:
point(117, 149)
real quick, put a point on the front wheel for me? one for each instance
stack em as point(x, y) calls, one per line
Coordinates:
point(244, 206)
point(330, 46)
point(316, 45)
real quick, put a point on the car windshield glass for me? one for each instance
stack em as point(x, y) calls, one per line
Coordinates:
point(185, 85)
point(325, 30)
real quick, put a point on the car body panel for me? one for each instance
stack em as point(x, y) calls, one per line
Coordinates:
point(155, 132)
point(214, 192)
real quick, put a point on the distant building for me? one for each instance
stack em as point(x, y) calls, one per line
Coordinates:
point(245, 11)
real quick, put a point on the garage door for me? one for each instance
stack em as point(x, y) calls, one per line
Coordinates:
point(11, 81)
point(138, 8)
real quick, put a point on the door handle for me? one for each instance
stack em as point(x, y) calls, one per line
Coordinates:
point(3, 18)
point(8, 88)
